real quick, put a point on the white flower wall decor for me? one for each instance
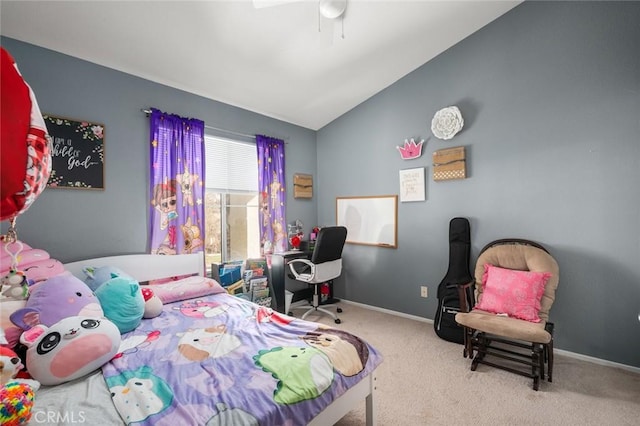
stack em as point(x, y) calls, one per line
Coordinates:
point(447, 122)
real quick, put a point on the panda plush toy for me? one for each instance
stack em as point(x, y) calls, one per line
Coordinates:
point(69, 349)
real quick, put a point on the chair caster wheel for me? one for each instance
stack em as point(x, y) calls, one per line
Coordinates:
point(338, 321)
point(339, 310)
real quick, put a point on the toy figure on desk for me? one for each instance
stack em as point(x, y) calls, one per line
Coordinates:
point(314, 233)
point(295, 242)
point(295, 234)
point(312, 240)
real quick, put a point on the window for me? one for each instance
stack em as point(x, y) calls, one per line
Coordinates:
point(231, 200)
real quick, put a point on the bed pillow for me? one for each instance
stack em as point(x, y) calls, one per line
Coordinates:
point(186, 288)
point(95, 277)
point(512, 292)
point(169, 279)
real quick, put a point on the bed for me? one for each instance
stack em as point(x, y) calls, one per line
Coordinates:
point(264, 368)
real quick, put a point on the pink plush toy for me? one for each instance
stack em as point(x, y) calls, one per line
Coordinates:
point(58, 297)
point(34, 263)
point(24, 255)
point(42, 270)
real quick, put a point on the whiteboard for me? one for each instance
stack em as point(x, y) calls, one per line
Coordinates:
point(369, 220)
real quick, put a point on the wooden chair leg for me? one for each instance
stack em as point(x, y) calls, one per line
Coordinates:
point(479, 345)
point(549, 351)
point(467, 352)
point(541, 360)
point(550, 360)
point(537, 364)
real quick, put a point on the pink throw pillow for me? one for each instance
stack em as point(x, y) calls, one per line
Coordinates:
point(512, 292)
point(186, 288)
point(168, 279)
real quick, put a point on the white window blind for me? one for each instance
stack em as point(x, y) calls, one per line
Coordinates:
point(231, 166)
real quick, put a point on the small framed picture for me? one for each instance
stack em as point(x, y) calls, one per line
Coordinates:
point(412, 185)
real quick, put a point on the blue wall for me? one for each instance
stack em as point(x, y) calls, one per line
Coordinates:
point(550, 94)
point(75, 224)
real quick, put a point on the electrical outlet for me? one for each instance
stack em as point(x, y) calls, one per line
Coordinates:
point(423, 291)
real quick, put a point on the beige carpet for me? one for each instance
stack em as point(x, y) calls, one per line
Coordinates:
point(425, 380)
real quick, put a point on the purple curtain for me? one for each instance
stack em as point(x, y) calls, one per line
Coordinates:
point(177, 176)
point(273, 195)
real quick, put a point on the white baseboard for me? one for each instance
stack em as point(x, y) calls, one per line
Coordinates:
point(562, 352)
point(388, 311)
point(598, 361)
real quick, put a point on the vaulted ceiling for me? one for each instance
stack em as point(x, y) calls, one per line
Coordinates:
point(284, 61)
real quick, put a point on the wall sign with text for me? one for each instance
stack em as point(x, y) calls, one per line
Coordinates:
point(77, 153)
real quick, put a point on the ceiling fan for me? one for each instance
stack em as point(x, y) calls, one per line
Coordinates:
point(331, 10)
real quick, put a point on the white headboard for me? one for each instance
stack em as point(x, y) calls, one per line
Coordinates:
point(145, 267)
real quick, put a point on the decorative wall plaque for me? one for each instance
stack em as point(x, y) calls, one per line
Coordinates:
point(77, 153)
point(302, 186)
point(449, 164)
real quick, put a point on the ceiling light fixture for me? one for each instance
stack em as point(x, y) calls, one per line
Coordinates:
point(332, 9)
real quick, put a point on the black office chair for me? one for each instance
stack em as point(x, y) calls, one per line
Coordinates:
point(325, 265)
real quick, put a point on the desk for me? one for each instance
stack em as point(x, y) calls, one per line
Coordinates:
point(280, 279)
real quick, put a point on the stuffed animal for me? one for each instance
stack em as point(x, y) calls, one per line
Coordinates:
point(70, 348)
point(9, 333)
point(20, 252)
point(152, 303)
point(10, 365)
point(16, 395)
point(42, 270)
point(58, 297)
point(16, 400)
point(35, 264)
point(122, 302)
point(14, 285)
point(98, 276)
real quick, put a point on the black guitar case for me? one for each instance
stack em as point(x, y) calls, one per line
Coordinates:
point(458, 273)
